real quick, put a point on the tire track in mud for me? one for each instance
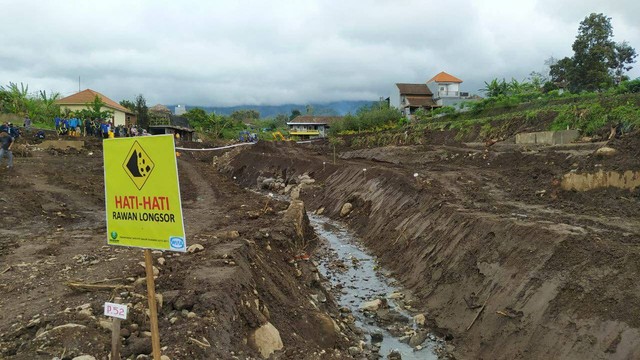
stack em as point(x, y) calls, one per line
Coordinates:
point(198, 212)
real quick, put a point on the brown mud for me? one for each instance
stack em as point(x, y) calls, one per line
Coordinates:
point(502, 260)
point(211, 302)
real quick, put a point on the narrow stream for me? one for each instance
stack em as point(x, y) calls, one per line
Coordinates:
point(360, 282)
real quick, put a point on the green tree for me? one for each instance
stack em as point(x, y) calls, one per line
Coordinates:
point(495, 88)
point(560, 72)
point(94, 110)
point(129, 105)
point(593, 53)
point(5, 99)
point(273, 123)
point(220, 123)
point(624, 56)
point(294, 114)
point(597, 62)
point(198, 119)
point(142, 111)
point(16, 98)
point(245, 115)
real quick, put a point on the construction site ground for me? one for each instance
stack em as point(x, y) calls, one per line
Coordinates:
point(503, 261)
point(53, 234)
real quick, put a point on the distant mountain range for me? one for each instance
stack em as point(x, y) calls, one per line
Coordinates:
point(332, 108)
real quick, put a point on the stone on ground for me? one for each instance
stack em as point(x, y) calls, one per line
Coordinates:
point(346, 209)
point(266, 340)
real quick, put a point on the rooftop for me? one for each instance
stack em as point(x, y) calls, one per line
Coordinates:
point(443, 77)
point(414, 89)
point(87, 96)
point(311, 119)
point(421, 101)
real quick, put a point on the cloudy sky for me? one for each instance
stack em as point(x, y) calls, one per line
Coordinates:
point(222, 53)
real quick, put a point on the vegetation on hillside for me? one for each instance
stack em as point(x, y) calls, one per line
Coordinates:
point(219, 126)
point(588, 91)
point(378, 116)
point(40, 106)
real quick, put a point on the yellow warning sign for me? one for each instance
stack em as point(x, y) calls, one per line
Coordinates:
point(142, 193)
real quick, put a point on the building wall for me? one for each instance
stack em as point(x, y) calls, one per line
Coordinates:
point(180, 110)
point(119, 118)
point(454, 102)
point(548, 137)
point(446, 90)
point(321, 128)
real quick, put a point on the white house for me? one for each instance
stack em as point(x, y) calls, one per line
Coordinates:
point(446, 90)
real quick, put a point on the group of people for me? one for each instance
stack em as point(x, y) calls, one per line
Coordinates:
point(95, 127)
point(8, 134)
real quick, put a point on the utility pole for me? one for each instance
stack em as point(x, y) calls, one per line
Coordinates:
point(78, 83)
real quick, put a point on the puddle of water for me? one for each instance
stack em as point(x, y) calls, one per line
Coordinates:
point(362, 283)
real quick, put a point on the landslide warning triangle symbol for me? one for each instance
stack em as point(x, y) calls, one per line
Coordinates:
point(138, 165)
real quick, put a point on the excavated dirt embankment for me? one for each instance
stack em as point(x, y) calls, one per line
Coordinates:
point(243, 292)
point(504, 278)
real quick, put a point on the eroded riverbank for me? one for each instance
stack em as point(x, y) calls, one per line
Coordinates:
point(371, 297)
point(504, 263)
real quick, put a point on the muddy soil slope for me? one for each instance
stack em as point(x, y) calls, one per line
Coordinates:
point(247, 276)
point(503, 259)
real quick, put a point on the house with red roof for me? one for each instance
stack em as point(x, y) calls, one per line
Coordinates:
point(80, 100)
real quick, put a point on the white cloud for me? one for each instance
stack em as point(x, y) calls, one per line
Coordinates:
point(273, 52)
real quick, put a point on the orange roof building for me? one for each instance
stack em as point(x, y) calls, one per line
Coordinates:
point(443, 77)
point(79, 101)
point(446, 89)
point(441, 90)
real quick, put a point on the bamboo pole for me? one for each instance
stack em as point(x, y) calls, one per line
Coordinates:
point(153, 310)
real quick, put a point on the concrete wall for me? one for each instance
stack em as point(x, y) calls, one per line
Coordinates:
point(583, 182)
point(548, 137)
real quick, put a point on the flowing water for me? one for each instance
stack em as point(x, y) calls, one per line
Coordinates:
point(362, 283)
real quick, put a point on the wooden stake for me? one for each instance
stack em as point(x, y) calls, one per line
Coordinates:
point(153, 310)
point(115, 336)
point(480, 312)
point(334, 154)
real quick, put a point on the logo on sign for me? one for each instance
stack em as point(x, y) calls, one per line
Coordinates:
point(176, 242)
point(138, 165)
point(114, 235)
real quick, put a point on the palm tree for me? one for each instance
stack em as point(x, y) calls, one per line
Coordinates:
point(495, 88)
point(16, 98)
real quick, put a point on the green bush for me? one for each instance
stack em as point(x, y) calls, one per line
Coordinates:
point(376, 116)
